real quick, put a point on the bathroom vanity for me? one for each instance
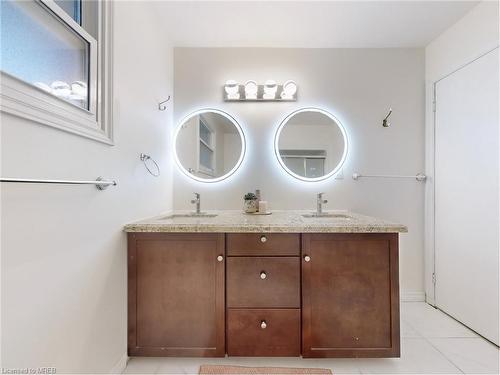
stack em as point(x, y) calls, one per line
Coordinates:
point(278, 285)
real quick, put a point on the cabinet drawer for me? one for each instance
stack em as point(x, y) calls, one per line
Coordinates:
point(250, 244)
point(263, 282)
point(263, 332)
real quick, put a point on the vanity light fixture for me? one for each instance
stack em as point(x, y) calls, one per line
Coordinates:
point(270, 89)
point(251, 91)
point(289, 90)
point(232, 89)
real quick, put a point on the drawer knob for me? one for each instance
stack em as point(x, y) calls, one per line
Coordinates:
point(220, 258)
point(263, 275)
point(263, 324)
point(307, 258)
point(263, 239)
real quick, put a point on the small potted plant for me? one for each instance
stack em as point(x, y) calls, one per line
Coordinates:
point(250, 203)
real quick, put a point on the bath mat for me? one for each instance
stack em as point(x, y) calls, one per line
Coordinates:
point(243, 370)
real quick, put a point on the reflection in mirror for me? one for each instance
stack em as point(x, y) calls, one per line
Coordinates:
point(311, 144)
point(209, 145)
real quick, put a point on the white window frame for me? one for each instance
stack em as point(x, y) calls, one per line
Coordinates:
point(200, 167)
point(22, 99)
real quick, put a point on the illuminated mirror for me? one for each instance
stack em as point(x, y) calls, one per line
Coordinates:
point(209, 145)
point(311, 144)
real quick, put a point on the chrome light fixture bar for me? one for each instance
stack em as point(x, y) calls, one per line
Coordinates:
point(251, 91)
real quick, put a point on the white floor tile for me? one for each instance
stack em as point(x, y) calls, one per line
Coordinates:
point(418, 356)
point(143, 365)
point(191, 365)
point(430, 322)
point(408, 331)
point(471, 355)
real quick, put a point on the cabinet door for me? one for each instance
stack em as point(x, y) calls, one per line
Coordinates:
point(350, 302)
point(176, 294)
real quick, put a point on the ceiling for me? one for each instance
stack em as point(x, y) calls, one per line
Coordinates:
point(307, 24)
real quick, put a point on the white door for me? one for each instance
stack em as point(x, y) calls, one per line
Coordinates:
point(467, 195)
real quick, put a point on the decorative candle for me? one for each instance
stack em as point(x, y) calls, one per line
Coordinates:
point(263, 207)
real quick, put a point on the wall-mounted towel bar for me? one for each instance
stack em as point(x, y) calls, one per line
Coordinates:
point(418, 177)
point(100, 183)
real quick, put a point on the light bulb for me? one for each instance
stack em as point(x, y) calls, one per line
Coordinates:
point(270, 89)
point(289, 90)
point(251, 89)
point(61, 89)
point(232, 89)
point(79, 89)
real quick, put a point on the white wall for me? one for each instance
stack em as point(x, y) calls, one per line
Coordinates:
point(64, 278)
point(471, 37)
point(358, 86)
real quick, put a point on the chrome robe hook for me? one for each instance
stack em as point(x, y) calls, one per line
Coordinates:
point(162, 106)
point(385, 121)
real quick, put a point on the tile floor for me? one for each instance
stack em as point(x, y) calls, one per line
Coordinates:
point(431, 343)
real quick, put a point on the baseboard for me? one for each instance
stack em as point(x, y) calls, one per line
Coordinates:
point(430, 300)
point(412, 296)
point(119, 366)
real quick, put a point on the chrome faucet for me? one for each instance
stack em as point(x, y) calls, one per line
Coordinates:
point(197, 201)
point(319, 204)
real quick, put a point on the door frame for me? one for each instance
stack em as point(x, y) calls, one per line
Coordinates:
point(429, 212)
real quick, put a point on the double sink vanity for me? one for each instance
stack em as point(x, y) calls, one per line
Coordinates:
point(293, 283)
point(287, 284)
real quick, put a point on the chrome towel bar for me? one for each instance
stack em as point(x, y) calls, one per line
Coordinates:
point(100, 183)
point(419, 176)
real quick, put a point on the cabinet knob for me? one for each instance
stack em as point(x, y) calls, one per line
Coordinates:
point(263, 239)
point(263, 324)
point(220, 258)
point(263, 275)
point(307, 258)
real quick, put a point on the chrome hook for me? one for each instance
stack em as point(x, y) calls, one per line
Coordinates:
point(162, 106)
point(385, 122)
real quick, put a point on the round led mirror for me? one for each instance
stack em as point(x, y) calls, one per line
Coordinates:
point(311, 144)
point(209, 145)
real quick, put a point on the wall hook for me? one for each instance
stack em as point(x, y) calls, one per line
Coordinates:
point(385, 122)
point(162, 106)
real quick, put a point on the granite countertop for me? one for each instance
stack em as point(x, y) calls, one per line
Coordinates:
point(228, 221)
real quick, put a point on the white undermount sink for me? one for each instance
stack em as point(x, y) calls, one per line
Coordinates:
point(328, 215)
point(188, 215)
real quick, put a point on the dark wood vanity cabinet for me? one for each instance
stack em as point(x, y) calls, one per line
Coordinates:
point(263, 294)
point(287, 294)
point(176, 294)
point(350, 295)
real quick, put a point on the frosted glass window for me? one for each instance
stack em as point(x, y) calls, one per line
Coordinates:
point(40, 49)
point(307, 167)
point(315, 167)
point(296, 165)
point(206, 157)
